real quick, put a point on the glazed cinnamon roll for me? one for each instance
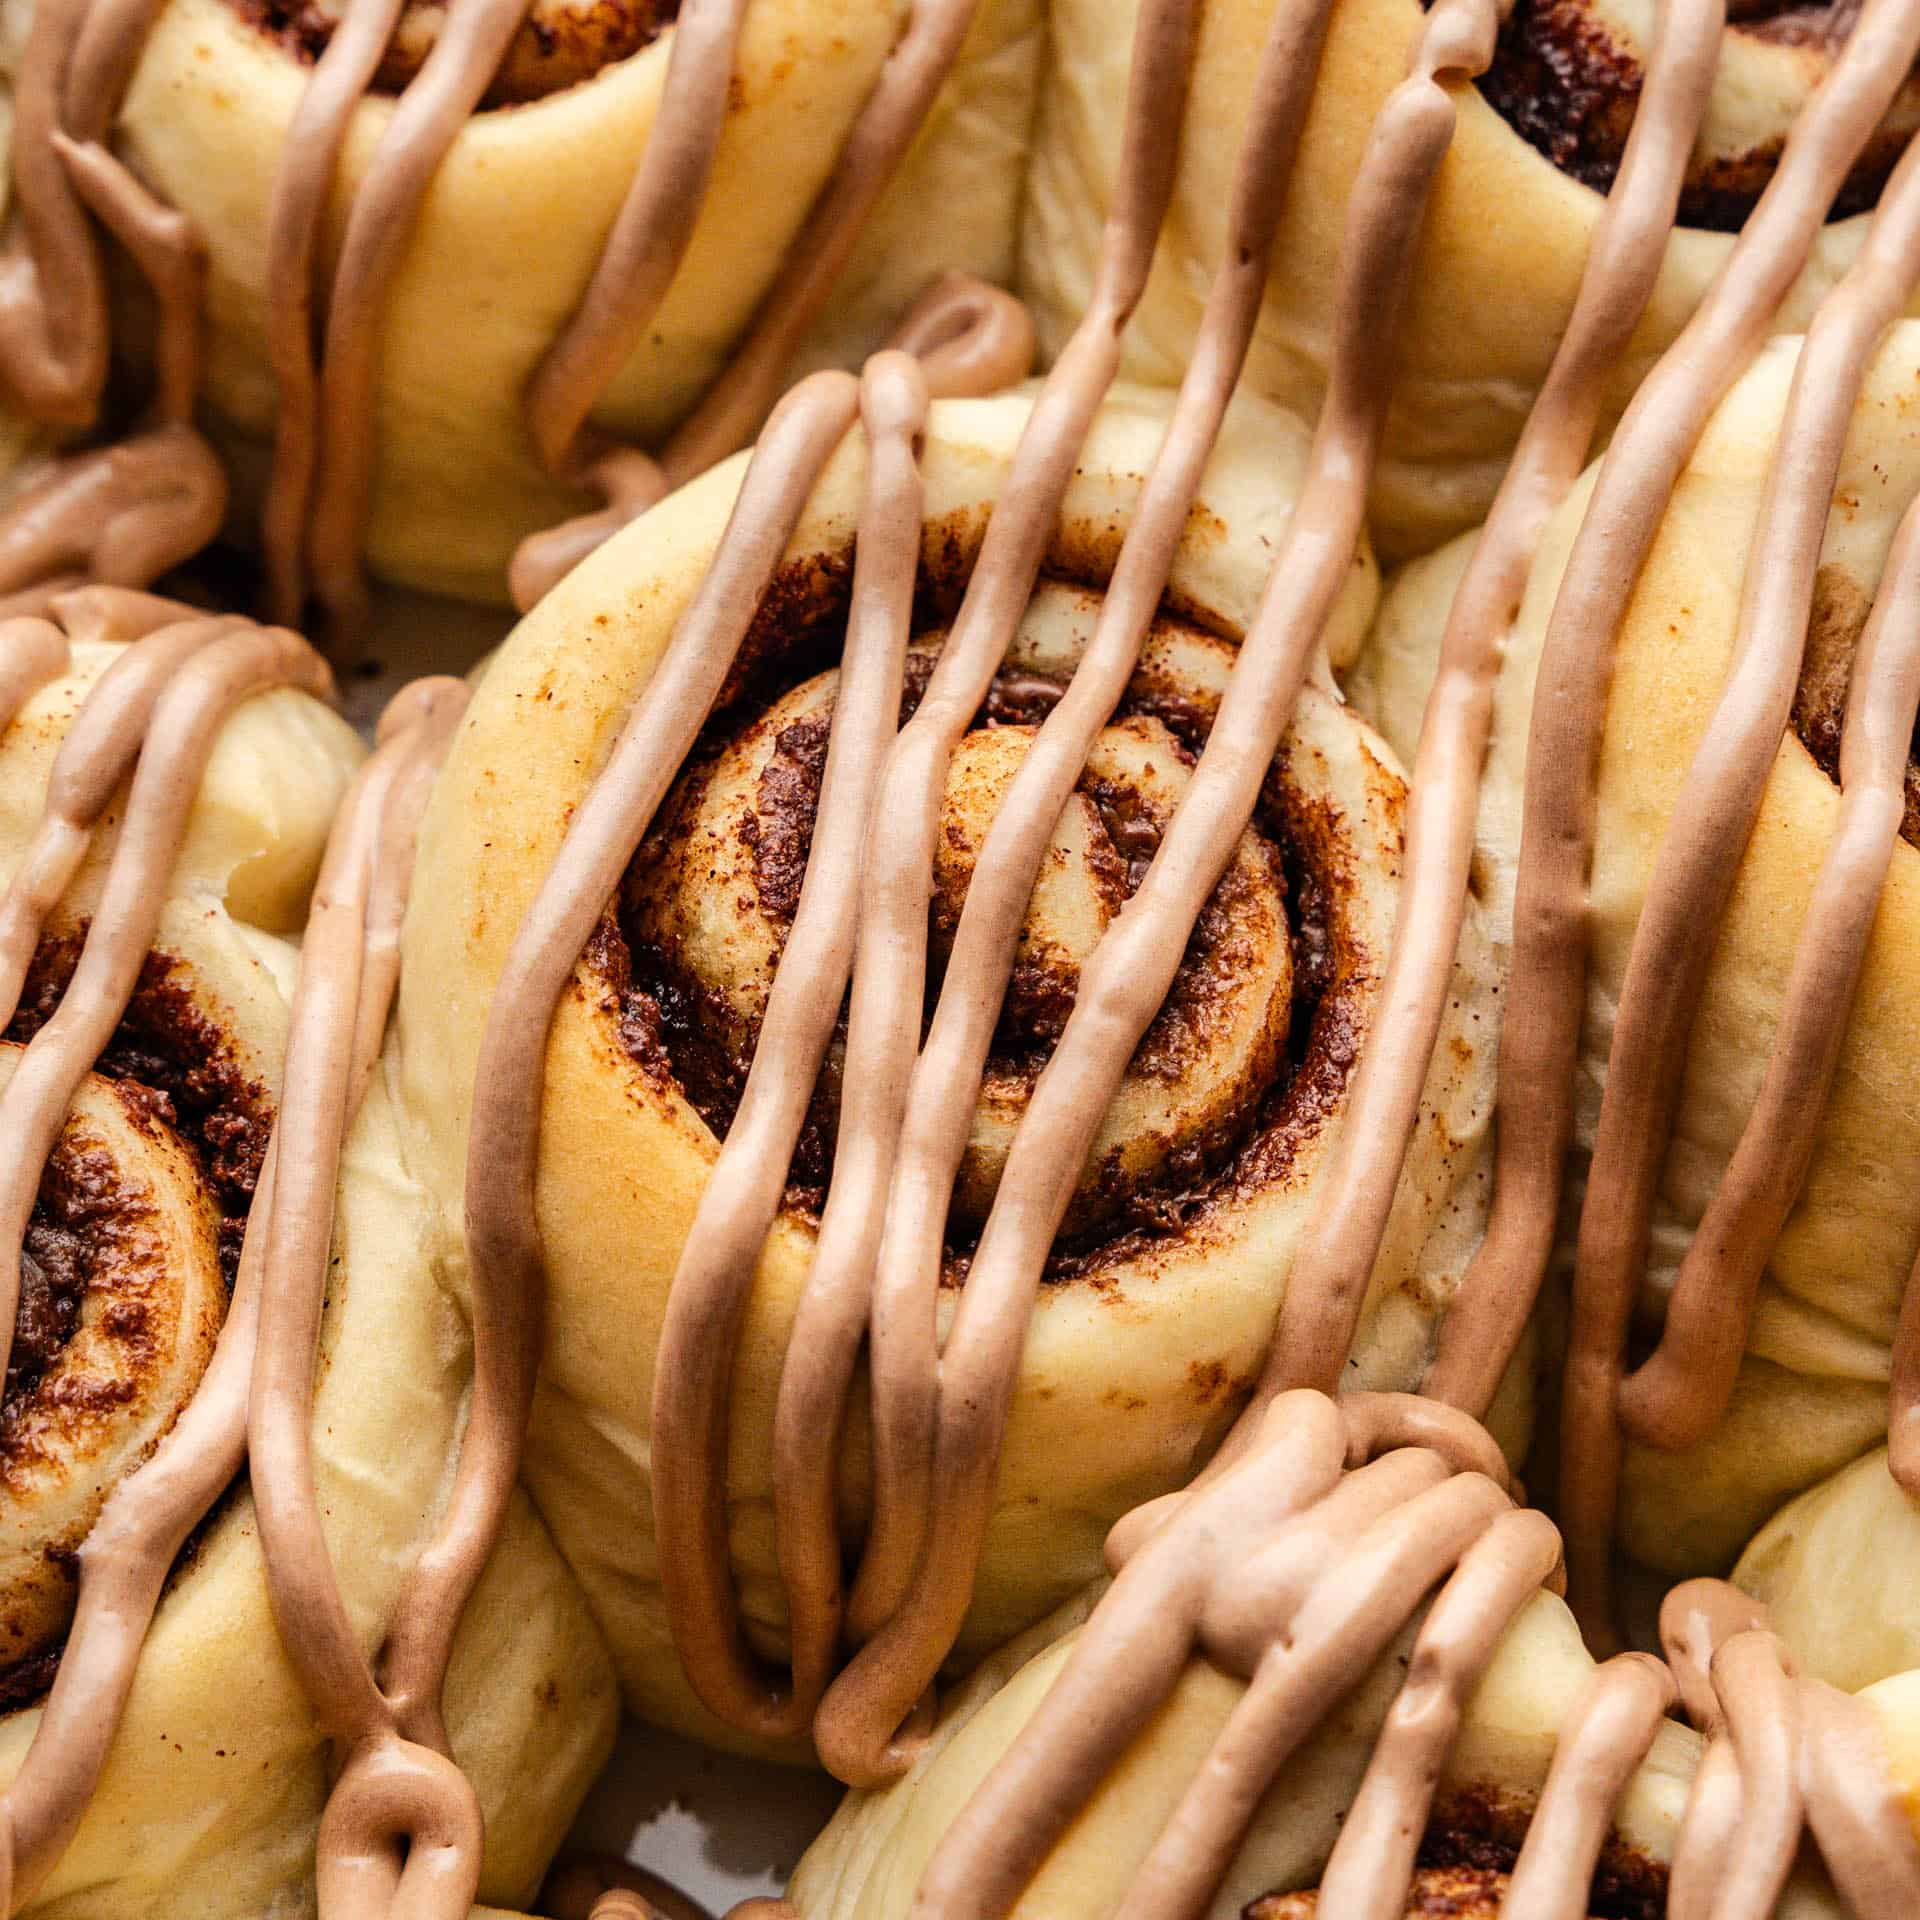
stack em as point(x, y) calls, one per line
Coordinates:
point(465, 269)
point(168, 781)
point(1540, 141)
point(707, 1108)
point(1331, 1681)
point(1762, 1318)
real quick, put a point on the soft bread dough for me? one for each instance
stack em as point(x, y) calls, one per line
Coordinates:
point(870, 1859)
point(1123, 1387)
point(514, 224)
point(1839, 1571)
point(214, 1785)
point(1502, 217)
point(1812, 1394)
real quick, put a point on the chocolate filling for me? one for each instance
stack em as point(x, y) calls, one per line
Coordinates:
point(558, 46)
point(677, 1029)
point(1570, 90)
point(174, 1062)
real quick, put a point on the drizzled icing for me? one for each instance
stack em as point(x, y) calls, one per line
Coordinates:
point(402, 1829)
point(157, 712)
point(402, 1823)
point(1695, 871)
point(126, 513)
point(1786, 1756)
point(1296, 1569)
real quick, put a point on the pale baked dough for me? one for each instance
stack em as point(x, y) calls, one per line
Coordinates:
point(514, 223)
point(1500, 260)
point(870, 1859)
point(214, 1784)
point(1812, 1393)
point(1125, 1386)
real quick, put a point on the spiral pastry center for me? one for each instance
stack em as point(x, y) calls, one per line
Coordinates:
point(126, 1270)
point(1569, 74)
point(709, 902)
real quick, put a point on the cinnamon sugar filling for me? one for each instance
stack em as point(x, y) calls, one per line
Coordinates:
point(686, 1034)
point(173, 1065)
point(1839, 617)
point(1570, 89)
point(560, 44)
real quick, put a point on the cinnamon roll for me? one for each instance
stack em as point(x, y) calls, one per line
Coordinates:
point(1334, 1680)
point(462, 264)
point(168, 781)
point(693, 1426)
point(1539, 142)
point(1767, 1309)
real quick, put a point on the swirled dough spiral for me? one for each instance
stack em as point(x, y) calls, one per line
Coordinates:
point(1166, 1283)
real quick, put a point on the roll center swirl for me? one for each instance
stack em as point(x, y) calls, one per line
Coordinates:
point(710, 901)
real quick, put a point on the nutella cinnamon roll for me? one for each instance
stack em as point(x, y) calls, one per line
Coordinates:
point(459, 258)
point(159, 1752)
point(1156, 1292)
point(1540, 141)
point(1744, 1255)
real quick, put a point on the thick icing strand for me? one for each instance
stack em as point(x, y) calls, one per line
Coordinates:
point(401, 1831)
point(1682, 1390)
point(54, 331)
point(946, 1077)
point(883, 1027)
point(612, 321)
point(692, 1384)
point(966, 336)
point(315, 137)
point(128, 512)
point(969, 338)
point(437, 103)
point(1126, 978)
point(1786, 1756)
point(1295, 1568)
point(1372, 1863)
point(1693, 877)
point(186, 720)
point(649, 240)
point(119, 515)
point(1599, 1749)
point(1541, 1028)
point(1328, 1285)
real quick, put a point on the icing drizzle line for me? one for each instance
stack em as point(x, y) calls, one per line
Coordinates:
point(127, 512)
